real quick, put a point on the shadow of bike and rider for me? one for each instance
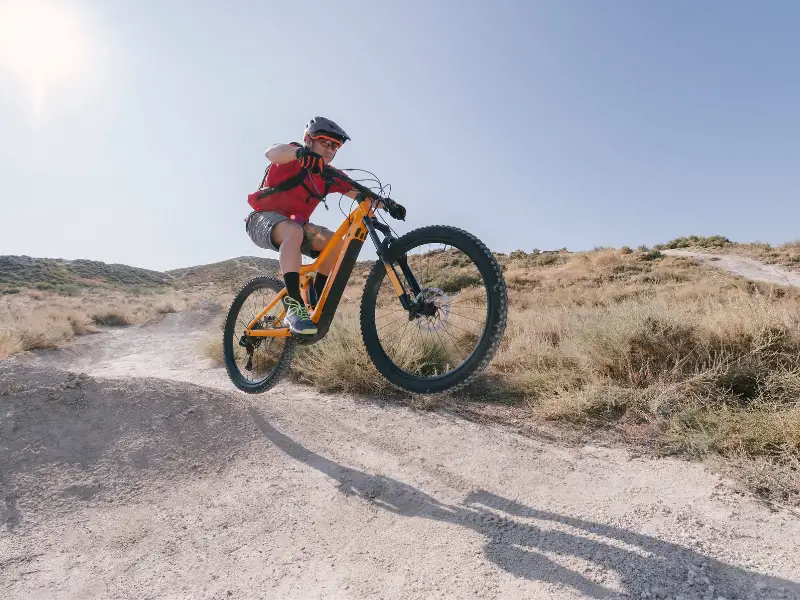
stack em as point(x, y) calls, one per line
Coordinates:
point(521, 547)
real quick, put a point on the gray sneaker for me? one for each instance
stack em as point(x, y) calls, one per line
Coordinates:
point(297, 319)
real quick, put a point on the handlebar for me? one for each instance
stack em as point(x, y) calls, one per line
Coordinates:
point(395, 209)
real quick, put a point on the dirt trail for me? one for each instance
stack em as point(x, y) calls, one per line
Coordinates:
point(148, 477)
point(742, 266)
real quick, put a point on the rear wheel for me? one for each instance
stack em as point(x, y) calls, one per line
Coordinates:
point(255, 364)
point(458, 312)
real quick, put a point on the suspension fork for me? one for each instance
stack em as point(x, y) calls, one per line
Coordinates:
point(381, 248)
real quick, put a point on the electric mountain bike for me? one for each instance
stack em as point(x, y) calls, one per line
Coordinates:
point(432, 315)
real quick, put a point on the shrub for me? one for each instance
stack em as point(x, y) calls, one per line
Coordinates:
point(165, 308)
point(652, 255)
point(70, 289)
point(111, 318)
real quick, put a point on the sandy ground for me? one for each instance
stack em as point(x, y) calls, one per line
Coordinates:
point(131, 468)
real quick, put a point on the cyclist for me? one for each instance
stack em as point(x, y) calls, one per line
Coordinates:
point(290, 191)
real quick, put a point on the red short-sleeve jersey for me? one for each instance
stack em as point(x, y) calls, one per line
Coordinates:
point(297, 203)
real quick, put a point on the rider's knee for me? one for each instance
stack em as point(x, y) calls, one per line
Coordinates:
point(290, 233)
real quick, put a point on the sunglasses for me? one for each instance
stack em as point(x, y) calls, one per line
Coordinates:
point(327, 142)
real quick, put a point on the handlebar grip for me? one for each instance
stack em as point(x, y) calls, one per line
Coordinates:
point(395, 209)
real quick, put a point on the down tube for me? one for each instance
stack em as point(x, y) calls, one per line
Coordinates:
point(337, 287)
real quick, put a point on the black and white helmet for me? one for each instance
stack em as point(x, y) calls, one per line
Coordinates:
point(320, 126)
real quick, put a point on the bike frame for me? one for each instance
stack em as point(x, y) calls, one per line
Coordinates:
point(352, 233)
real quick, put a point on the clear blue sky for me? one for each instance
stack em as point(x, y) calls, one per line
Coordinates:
point(531, 124)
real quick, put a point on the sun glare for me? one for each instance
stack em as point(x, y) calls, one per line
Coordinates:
point(43, 45)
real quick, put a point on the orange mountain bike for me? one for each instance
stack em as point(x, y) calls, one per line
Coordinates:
point(433, 309)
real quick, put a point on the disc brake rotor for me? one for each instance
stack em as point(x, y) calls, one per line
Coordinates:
point(435, 311)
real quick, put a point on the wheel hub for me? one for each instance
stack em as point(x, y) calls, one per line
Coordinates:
point(432, 309)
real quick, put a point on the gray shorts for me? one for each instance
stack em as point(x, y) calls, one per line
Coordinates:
point(259, 226)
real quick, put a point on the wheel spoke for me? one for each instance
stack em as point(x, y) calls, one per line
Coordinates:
point(405, 331)
point(382, 327)
point(398, 328)
point(457, 327)
point(389, 312)
point(452, 342)
point(465, 317)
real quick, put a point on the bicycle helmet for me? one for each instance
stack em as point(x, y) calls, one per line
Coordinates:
point(322, 127)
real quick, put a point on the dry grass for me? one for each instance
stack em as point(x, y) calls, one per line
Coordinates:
point(44, 329)
point(339, 362)
point(111, 318)
point(10, 342)
point(165, 308)
point(774, 480)
point(210, 346)
point(32, 320)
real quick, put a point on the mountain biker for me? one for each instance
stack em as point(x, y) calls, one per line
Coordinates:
point(290, 191)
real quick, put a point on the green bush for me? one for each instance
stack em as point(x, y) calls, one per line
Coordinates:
point(714, 241)
point(652, 255)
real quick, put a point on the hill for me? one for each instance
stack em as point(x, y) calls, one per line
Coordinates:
point(69, 277)
point(57, 275)
point(233, 272)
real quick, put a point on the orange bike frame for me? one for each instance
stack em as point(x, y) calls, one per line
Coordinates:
point(352, 232)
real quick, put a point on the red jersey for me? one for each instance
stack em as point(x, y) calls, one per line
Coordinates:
point(299, 202)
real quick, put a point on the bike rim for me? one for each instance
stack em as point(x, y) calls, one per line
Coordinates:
point(449, 331)
point(257, 357)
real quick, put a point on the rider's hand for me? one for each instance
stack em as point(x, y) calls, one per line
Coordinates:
point(310, 160)
point(397, 211)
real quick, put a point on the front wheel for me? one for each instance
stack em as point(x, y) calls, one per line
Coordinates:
point(457, 317)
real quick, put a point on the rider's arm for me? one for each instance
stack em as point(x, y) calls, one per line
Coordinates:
point(281, 154)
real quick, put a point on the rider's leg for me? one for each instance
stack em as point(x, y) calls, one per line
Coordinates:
point(273, 231)
point(287, 236)
point(317, 237)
